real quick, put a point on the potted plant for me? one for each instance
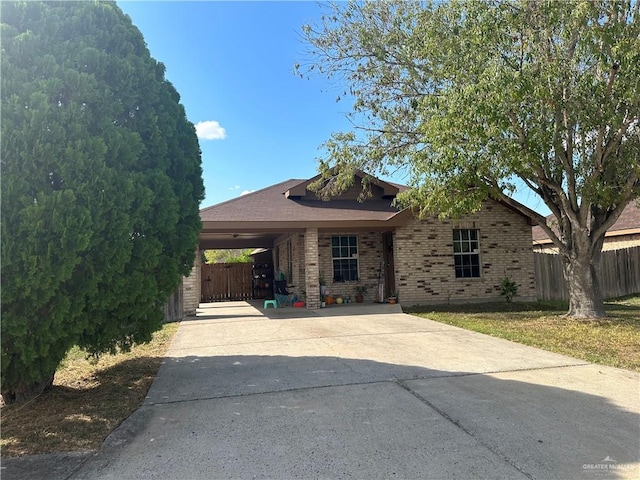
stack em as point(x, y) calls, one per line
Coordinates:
point(299, 302)
point(361, 291)
point(393, 297)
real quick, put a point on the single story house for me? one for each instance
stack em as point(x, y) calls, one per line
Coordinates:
point(349, 243)
point(624, 233)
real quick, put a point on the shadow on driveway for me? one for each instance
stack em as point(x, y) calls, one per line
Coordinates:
point(366, 392)
point(331, 417)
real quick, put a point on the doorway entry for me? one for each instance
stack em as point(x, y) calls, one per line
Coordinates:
point(388, 268)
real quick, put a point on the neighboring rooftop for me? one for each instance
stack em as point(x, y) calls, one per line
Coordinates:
point(628, 223)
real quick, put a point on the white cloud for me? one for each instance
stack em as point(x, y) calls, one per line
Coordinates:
point(210, 130)
point(235, 187)
point(244, 192)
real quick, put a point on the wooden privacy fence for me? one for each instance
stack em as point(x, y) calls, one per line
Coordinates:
point(174, 306)
point(225, 281)
point(620, 274)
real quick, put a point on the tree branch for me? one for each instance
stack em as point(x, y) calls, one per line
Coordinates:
point(631, 186)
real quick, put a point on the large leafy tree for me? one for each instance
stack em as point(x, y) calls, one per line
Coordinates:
point(476, 98)
point(101, 186)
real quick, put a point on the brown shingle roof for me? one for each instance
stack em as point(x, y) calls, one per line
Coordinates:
point(259, 218)
point(629, 220)
point(271, 205)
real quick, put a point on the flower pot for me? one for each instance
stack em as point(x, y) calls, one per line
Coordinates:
point(339, 300)
point(392, 300)
point(359, 299)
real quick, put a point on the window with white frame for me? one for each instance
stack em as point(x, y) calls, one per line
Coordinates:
point(344, 253)
point(466, 253)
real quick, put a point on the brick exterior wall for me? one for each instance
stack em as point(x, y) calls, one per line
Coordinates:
point(623, 241)
point(424, 263)
point(312, 277)
point(423, 260)
point(191, 287)
point(369, 258)
point(369, 255)
point(296, 277)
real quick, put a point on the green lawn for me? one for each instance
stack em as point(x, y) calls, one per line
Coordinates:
point(614, 340)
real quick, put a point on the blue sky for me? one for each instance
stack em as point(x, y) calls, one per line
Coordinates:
point(232, 63)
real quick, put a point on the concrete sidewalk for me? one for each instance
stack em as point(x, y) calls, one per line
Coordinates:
point(368, 392)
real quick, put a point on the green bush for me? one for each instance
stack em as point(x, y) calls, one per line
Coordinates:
point(101, 185)
point(508, 289)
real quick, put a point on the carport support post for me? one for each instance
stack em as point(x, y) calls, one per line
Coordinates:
point(312, 271)
point(191, 287)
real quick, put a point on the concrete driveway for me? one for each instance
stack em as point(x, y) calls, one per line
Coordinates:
point(368, 392)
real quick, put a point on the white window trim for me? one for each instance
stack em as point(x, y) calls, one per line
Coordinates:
point(355, 257)
point(475, 251)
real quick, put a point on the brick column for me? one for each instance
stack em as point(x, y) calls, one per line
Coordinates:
point(312, 270)
point(191, 288)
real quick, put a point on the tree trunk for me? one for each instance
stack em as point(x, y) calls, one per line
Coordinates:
point(27, 391)
point(582, 274)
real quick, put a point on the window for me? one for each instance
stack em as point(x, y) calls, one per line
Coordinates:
point(466, 253)
point(344, 251)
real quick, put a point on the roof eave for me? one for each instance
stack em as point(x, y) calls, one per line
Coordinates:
point(289, 226)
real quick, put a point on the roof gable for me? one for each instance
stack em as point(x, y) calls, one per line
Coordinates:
point(380, 188)
point(271, 204)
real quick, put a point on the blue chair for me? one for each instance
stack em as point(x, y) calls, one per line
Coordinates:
point(281, 293)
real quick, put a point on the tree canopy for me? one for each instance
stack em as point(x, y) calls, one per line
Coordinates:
point(227, 256)
point(473, 98)
point(101, 186)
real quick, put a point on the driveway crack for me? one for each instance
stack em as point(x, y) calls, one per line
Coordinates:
point(446, 416)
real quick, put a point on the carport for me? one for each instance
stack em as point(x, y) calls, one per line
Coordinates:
point(275, 217)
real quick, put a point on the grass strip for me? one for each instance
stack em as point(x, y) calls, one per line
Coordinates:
point(88, 400)
point(613, 341)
